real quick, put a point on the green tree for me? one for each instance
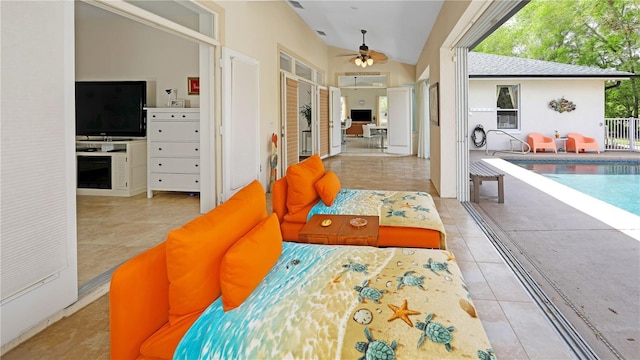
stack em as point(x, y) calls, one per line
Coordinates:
point(602, 33)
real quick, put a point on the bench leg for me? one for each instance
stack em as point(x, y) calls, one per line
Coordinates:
point(500, 189)
point(476, 189)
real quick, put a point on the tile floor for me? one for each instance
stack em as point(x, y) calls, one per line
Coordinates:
point(513, 322)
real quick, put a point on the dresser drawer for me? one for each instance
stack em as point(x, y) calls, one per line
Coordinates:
point(174, 165)
point(177, 182)
point(168, 149)
point(173, 116)
point(173, 131)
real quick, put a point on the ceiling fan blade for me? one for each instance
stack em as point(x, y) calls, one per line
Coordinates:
point(378, 56)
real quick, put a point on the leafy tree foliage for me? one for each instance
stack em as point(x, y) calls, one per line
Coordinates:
point(602, 33)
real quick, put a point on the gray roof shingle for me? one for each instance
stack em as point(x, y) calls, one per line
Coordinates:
point(488, 65)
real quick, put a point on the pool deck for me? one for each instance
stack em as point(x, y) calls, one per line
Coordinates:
point(590, 270)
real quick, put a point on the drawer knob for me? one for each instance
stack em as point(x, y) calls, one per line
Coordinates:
point(196, 165)
point(184, 116)
point(160, 164)
point(159, 149)
point(159, 130)
point(196, 131)
point(173, 115)
point(159, 180)
point(196, 149)
point(196, 181)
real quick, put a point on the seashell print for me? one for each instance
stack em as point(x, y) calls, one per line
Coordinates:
point(468, 308)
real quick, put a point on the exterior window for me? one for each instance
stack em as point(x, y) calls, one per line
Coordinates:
point(304, 71)
point(507, 105)
point(285, 62)
point(319, 78)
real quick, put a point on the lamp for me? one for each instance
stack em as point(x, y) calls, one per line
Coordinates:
point(363, 60)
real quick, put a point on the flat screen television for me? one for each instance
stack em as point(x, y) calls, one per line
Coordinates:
point(360, 114)
point(111, 108)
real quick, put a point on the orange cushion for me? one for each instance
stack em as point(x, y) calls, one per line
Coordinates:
point(300, 216)
point(248, 261)
point(163, 343)
point(328, 187)
point(300, 180)
point(195, 251)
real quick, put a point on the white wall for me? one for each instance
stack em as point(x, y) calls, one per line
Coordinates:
point(438, 58)
point(535, 114)
point(368, 96)
point(111, 47)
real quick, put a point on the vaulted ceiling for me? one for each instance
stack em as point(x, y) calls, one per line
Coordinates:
point(399, 29)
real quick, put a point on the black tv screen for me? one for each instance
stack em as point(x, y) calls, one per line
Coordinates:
point(111, 108)
point(360, 115)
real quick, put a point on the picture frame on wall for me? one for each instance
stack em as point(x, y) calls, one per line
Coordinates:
point(434, 105)
point(177, 103)
point(193, 85)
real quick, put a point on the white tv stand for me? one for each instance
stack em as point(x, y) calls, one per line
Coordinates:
point(126, 160)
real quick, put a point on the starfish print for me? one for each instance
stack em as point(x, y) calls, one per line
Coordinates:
point(450, 256)
point(402, 312)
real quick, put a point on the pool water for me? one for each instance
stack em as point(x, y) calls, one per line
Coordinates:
point(615, 183)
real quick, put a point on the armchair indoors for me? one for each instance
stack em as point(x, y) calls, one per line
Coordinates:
point(539, 141)
point(577, 142)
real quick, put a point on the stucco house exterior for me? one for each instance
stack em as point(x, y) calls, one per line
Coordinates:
point(514, 95)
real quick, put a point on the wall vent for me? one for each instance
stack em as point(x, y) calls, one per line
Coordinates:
point(295, 4)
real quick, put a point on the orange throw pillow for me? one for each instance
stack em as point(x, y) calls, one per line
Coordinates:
point(248, 262)
point(301, 178)
point(195, 251)
point(328, 187)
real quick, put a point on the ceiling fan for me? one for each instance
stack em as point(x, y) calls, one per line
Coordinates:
point(367, 57)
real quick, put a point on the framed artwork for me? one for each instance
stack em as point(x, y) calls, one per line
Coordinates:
point(177, 103)
point(193, 85)
point(434, 105)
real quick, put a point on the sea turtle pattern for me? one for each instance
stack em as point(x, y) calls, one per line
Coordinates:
point(436, 332)
point(391, 213)
point(376, 349)
point(355, 267)
point(410, 280)
point(436, 266)
point(486, 355)
point(366, 292)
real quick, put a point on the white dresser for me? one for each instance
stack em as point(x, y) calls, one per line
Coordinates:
point(173, 140)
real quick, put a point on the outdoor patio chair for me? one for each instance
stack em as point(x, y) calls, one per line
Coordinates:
point(538, 141)
point(577, 142)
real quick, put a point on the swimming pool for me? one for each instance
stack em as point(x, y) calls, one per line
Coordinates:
point(617, 183)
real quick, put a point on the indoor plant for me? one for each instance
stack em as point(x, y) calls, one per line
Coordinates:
point(305, 110)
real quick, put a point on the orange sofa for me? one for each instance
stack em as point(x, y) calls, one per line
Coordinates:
point(292, 204)
point(538, 141)
point(577, 142)
point(156, 296)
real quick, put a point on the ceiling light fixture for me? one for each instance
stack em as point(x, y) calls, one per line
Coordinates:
point(364, 59)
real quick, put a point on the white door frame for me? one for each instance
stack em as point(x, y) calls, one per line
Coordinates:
point(335, 121)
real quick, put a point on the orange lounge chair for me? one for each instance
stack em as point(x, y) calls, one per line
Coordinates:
point(539, 141)
point(577, 142)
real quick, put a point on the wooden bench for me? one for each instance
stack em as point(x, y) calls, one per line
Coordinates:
point(479, 171)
